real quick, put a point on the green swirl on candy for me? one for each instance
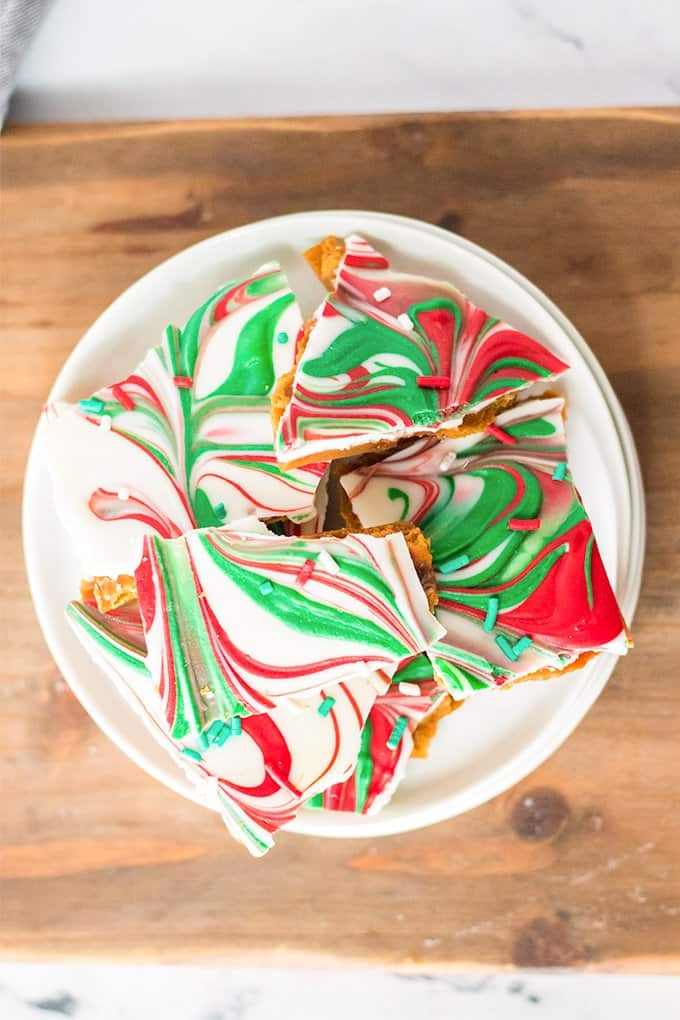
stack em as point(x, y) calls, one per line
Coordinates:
point(481, 527)
point(391, 354)
point(210, 600)
point(252, 376)
point(382, 761)
point(187, 435)
point(390, 382)
point(189, 638)
point(303, 613)
point(513, 601)
point(247, 384)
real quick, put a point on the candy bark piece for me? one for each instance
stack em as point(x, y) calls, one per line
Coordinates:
point(413, 696)
point(283, 758)
point(258, 777)
point(516, 603)
point(256, 619)
point(390, 355)
point(186, 439)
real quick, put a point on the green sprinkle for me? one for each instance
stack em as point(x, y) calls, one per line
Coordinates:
point(266, 588)
point(189, 752)
point(500, 671)
point(325, 706)
point(453, 563)
point(213, 730)
point(395, 736)
point(425, 417)
point(560, 472)
point(491, 614)
point(236, 726)
point(203, 740)
point(506, 647)
point(220, 511)
point(522, 645)
point(94, 404)
point(222, 734)
point(282, 338)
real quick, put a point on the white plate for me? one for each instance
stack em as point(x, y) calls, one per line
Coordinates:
point(494, 740)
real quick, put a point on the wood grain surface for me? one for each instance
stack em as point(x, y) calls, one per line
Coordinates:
point(577, 866)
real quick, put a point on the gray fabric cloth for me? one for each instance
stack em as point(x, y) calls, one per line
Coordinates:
point(19, 20)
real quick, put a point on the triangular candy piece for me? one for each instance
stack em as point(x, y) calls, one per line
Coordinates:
point(186, 439)
point(523, 593)
point(390, 355)
point(387, 740)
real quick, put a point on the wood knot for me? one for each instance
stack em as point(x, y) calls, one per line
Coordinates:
point(540, 814)
point(544, 943)
point(452, 221)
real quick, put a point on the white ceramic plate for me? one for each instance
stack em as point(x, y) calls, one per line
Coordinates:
point(494, 740)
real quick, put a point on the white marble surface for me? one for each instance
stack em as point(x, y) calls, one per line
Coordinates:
point(159, 993)
point(143, 58)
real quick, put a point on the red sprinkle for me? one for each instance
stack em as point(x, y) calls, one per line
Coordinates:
point(122, 397)
point(305, 572)
point(501, 435)
point(516, 524)
point(183, 382)
point(433, 382)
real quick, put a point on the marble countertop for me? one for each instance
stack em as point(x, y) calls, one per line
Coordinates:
point(130, 993)
point(132, 60)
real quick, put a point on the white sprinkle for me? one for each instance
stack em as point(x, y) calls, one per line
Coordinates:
point(448, 461)
point(410, 690)
point(326, 561)
point(105, 423)
point(382, 294)
point(377, 682)
point(404, 321)
point(123, 493)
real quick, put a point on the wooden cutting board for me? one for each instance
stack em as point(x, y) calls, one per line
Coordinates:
point(577, 866)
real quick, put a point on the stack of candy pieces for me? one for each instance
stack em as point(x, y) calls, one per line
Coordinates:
point(340, 615)
point(283, 668)
point(185, 441)
point(390, 355)
point(522, 590)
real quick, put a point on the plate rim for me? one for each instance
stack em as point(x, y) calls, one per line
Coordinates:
point(571, 713)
